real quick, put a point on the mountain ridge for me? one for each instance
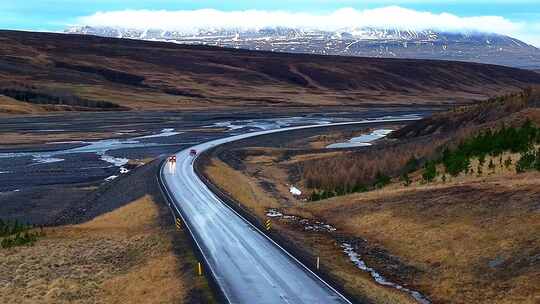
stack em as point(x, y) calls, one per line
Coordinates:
point(363, 42)
point(83, 72)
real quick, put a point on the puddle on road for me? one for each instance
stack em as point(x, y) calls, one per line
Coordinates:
point(354, 257)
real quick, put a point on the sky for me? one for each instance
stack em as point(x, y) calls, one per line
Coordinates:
point(517, 18)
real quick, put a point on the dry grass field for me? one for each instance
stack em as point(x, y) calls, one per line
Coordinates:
point(10, 106)
point(125, 256)
point(467, 240)
point(473, 242)
point(249, 192)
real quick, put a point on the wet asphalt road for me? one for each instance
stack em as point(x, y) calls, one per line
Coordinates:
point(248, 266)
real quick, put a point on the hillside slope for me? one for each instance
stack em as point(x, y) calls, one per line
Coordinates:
point(72, 72)
point(454, 234)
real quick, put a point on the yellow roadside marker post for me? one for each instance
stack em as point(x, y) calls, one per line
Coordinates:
point(199, 268)
point(178, 223)
point(268, 225)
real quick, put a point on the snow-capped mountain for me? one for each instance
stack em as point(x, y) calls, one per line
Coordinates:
point(369, 42)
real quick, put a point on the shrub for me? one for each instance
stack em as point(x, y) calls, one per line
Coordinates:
point(405, 179)
point(482, 159)
point(381, 180)
point(455, 162)
point(359, 188)
point(537, 162)
point(19, 239)
point(8, 228)
point(16, 234)
point(491, 165)
point(508, 162)
point(430, 172)
point(526, 162)
point(411, 165)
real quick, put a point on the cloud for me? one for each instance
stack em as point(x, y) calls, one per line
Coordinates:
point(385, 17)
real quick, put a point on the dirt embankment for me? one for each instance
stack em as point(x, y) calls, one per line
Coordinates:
point(124, 249)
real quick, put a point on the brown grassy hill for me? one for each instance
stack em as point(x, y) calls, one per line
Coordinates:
point(422, 140)
point(70, 72)
point(506, 108)
point(468, 236)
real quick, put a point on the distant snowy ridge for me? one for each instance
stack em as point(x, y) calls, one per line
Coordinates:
point(366, 33)
point(360, 41)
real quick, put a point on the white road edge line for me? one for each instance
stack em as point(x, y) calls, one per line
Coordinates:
point(172, 201)
point(171, 198)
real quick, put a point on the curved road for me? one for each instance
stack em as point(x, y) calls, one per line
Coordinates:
point(247, 265)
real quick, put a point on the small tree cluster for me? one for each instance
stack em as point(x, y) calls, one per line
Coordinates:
point(19, 239)
point(8, 228)
point(492, 143)
point(318, 195)
point(16, 234)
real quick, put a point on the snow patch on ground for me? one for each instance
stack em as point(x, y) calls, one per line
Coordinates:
point(312, 225)
point(46, 159)
point(281, 122)
point(271, 123)
point(228, 124)
point(294, 190)
point(66, 142)
point(164, 133)
point(50, 130)
point(110, 178)
point(273, 213)
point(357, 260)
point(362, 140)
point(115, 161)
point(307, 224)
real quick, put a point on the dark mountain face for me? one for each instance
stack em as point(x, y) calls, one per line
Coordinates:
point(83, 72)
point(366, 42)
